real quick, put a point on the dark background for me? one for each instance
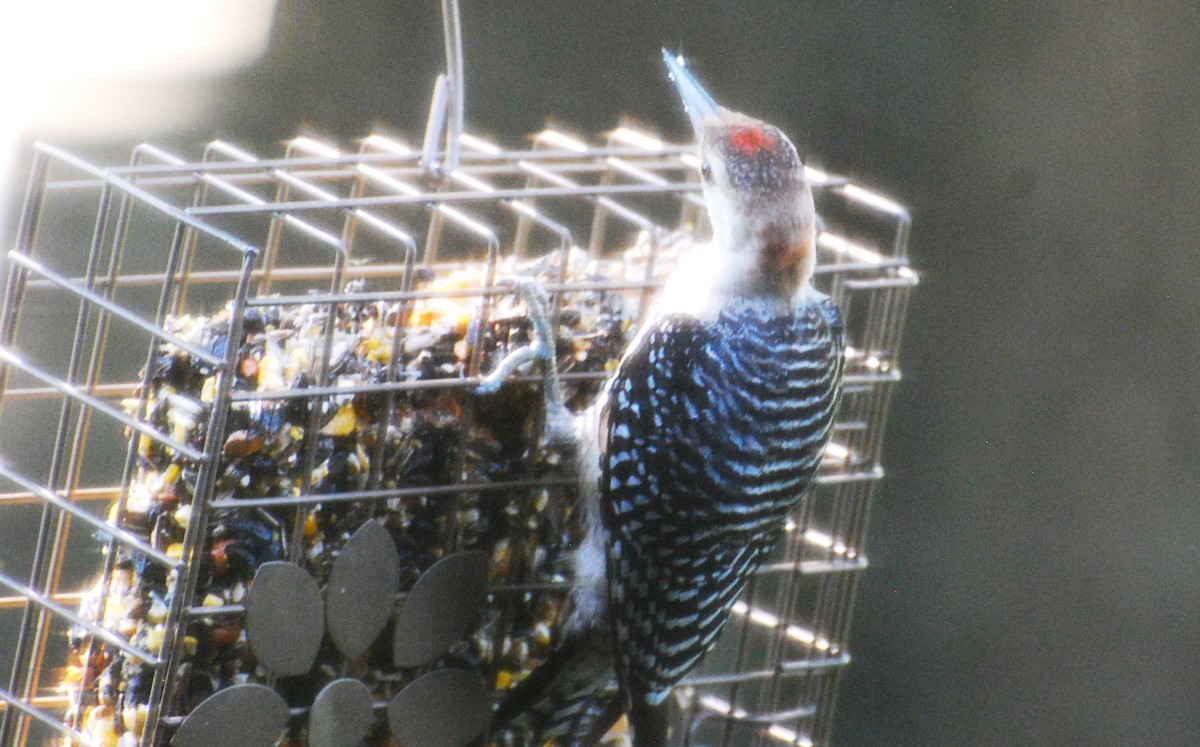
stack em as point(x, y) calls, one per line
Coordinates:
point(1034, 548)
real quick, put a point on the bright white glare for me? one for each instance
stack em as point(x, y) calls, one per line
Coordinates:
point(162, 38)
point(636, 139)
point(784, 734)
point(777, 731)
point(232, 150)
point(479, 144)
point(764, 618)
point(797, 633)
point(391, 146)
point(820, 539)
point(312, 145)
point(717, 705)
point(387, 144)
point(835, 450)
point(756, 615)
point(625, 167)
point(815, 174)
point(768, 620)
point(52, 52)
point(557, 139)
point(873, 199)
point(473, 182)
point(844, 246)
point(389, 182)
point(110, 68)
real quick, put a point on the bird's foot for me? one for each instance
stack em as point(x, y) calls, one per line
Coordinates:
point(559, 421)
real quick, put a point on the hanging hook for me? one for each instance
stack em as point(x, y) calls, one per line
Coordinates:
point(446, 107)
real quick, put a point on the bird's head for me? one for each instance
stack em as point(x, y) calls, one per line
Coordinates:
point(759, 201)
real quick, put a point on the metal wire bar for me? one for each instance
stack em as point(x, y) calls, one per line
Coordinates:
point(43, 602)
point(100, 525)
point(96, 300)
point(88, 675)
point(182, 216)
point(579, 157)
point(11, 358)
point(569, 192)
point(52, 528)
point(28, 707)
point(9, 316)
point(193, 542)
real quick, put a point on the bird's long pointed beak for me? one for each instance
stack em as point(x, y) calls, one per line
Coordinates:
point(700, 106)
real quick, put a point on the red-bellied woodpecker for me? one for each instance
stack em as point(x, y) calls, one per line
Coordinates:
point(701, 446)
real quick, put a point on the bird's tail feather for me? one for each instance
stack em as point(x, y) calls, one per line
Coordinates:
point(567, 698)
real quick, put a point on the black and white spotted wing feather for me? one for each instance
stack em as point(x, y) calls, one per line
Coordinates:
point(714, 433)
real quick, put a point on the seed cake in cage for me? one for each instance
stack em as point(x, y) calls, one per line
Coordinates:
point(385, 460)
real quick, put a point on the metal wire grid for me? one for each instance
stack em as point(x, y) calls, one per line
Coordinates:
point(168, 236)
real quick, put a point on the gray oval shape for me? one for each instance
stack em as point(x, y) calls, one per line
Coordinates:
point(436, 613)
point(238, 716)
point(284, 618)
point(341, 715)
point(446, 708)
point(361, 592)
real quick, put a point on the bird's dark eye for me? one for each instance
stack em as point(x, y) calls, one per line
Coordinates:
point(706, 172)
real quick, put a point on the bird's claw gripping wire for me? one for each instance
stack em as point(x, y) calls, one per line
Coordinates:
point(559, 426)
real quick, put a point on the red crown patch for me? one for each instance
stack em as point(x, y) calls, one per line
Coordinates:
point(751, 140)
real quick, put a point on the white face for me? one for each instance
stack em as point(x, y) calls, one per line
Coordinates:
point(759, 202)
point(723, 211)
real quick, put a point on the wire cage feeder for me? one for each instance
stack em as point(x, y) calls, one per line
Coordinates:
point(226, 378)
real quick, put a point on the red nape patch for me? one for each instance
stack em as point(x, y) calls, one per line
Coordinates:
point(750, 140)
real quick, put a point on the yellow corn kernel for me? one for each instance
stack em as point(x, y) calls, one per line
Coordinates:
point(73, 675)
point(144, 443)
point(157, 612)
point(99, 726)
point(135, 719)
point(342, 423)
point(153, 640)
point(270, 372)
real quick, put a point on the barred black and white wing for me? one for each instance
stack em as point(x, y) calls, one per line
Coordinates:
point(714, 432)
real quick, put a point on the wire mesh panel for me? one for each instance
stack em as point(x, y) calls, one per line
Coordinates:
point(242, 431)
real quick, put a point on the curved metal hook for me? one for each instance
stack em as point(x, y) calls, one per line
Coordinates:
point(446, 107)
